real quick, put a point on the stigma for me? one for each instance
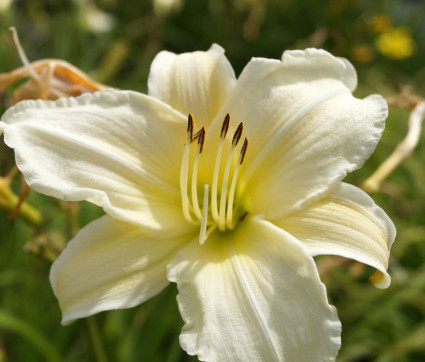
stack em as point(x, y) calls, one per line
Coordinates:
point(218, 208)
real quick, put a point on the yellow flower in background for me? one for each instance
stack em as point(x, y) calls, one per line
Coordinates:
point(235, 227)
point(363, 53)
point(380, 23)
point(396, 43)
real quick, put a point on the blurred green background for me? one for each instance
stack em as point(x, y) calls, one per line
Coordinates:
point(115, 41)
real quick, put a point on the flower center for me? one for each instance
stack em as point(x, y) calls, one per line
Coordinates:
point(222, 209)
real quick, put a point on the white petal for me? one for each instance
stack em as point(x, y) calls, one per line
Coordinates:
point(110, 265)
point(253, 295)
point(196, 83)
point(347, 223)
point(120, 150)
point(306, 130)
point(321, 64)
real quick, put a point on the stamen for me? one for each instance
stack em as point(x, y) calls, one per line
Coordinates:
point(223, 133)
point(222, 215)
point(22, 55)
point(237, 135)
point(202, 235)
point(244, 149)
point(190, 125)
point(222, 212)
point(230, 225)
point(201, 139)
point(184, 170)
point(225, 126)
point(196, 135)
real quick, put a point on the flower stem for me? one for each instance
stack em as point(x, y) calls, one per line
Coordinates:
point(403, 150)
point(96, 340)
point(8, 201)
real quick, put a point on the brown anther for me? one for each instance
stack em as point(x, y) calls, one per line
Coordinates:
point(190, 123)
point(196, 135)
point(225, 126)
point(237, 135)
point(244, 148)
point(201, 139)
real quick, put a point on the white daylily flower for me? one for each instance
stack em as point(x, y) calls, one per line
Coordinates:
point(237, 236)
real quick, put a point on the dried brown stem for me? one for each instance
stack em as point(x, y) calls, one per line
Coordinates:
point(404, 148)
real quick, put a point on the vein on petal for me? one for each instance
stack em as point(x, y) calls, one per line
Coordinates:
point(248, 293)
point(259, 271)
point(118, 160)
point(277, 133)
point(228, 313)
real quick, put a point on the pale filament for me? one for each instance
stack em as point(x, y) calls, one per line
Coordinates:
point(222, 212)
point(191, 208)
point(214, 208)
point(223, 197)
point(229, 219)
point(201, 138)
point(223, 133)
point(204, 222)
point(184, 169)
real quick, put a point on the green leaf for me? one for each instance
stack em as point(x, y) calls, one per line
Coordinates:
point(25, 330)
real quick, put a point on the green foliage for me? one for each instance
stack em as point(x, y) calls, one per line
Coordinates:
point(378, 325)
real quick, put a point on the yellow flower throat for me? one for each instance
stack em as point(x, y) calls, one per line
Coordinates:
point(221, 212)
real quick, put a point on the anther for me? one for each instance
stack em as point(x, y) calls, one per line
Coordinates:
point(201, 139)
point(196, 135)
point(243, 150)
point(190, 124)
point(237, 135)
point(225, 126)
